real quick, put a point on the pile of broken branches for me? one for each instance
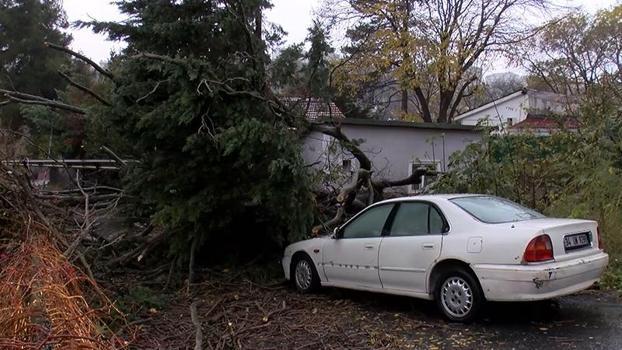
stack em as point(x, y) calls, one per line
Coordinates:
point(45, 300)
point(234, 312)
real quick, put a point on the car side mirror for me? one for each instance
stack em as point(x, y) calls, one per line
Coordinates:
point(336, 232)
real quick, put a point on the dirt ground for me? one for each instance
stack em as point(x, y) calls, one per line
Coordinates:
point(236, 313)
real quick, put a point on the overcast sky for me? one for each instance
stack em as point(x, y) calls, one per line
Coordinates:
point(295, 16)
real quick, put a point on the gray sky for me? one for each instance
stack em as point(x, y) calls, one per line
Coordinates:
point(295, 16)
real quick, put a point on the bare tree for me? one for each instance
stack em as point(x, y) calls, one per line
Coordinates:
point(431, 48)
point(575, 52)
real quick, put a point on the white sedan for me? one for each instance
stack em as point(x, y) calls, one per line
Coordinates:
point(459, 250)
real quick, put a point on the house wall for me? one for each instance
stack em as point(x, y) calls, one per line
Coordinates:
point(515, 108)
point(391, 149)
point(546, 102)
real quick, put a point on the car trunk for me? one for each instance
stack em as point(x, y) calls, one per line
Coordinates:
point(570, 238)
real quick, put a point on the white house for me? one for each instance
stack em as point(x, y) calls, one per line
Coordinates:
point(395, 148)
point(512, 109)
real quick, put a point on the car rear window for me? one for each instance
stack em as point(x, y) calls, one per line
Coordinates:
point(495, 210)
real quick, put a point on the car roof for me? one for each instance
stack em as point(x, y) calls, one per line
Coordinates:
point(432, 197)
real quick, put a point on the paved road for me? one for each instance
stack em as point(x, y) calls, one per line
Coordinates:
point(588, 320)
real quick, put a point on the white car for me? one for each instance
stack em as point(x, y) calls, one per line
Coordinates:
point(459, 250)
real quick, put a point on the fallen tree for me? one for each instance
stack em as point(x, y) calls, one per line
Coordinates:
point(363, 189)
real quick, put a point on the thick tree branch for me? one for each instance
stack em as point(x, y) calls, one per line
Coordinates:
point(425, 107)
point(23, 98)
point(346, 197)
point(336, 133)
point(413, 179)
point(84, 89)
point(81, 57)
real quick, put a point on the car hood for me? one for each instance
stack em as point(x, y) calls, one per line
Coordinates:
point(302, 245)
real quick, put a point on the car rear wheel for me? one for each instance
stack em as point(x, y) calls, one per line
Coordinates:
point(304, 275)
point(459, 296)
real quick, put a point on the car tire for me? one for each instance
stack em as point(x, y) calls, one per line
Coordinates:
point(304, 275)
point(458, 295)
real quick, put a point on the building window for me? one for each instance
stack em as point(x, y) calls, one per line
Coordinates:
point(425, 180)
point(510, 122)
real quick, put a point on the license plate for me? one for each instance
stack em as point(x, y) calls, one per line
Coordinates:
point(577, 241)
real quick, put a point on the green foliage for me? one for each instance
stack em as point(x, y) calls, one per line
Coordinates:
point(527, 168)
point(567, 174)
point(25, 63)
point(220, 162)
point(581, 52)
point(317, 70)
point(286, 67)
point(613, 276)
point(299, 73)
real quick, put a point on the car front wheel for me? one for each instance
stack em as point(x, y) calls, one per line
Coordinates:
point(304, 275)
point(459, 296)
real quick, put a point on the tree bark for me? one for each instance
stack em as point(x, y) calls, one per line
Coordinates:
point(404, 101)
point(426, 115)
point(444, 104)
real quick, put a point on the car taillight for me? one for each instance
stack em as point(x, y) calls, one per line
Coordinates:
point(601, 245)
point(539, 249)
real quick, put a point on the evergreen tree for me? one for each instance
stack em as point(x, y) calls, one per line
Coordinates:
point(26, 65)
point(220, 161)
point(299, 73)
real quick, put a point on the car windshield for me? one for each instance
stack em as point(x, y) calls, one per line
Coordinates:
point(494, 210)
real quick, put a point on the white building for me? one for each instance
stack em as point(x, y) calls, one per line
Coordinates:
point(395, 148)
point(512, 109)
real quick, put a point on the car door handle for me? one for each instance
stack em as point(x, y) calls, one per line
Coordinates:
point(428, 245)
point(369, 246)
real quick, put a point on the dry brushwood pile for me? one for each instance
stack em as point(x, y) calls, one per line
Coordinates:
point(46, 302)
point(232, 312)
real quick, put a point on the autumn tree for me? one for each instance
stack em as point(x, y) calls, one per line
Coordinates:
point(576, 52)
point(426, 51)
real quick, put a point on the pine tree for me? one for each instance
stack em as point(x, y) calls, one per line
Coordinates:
point(220, 161)
point(26, 64)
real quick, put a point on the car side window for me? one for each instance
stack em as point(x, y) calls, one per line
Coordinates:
point(369, 224)
point(416, 219)
point(437, 225)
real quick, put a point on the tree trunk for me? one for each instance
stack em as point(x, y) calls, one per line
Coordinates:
point(258, 22)
point(425, 108)
point(404, 101)
point(443, 108)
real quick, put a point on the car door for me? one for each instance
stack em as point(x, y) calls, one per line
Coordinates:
point(411, 245)
point(351, 259)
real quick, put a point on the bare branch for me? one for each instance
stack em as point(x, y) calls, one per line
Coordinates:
point(81, 57)
point(114, 156)
point(155, 88)
point(84, 89)
point(24, 98)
